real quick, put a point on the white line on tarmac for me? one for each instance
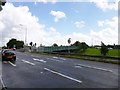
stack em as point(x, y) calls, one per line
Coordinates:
point(39, 60)
point(56, 60)
point(3, 85)
point(11, 63)
point(78, 67)
point(28, 62)
point(107, 70)
point(55, 57)
point(65, 76)
point(62, 58)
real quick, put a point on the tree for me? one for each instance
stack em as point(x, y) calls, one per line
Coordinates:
point(31, 43)
point(19, 44)
point(2, 3)
point(13, 42)
point(69, 40)
point(104, 49)
point(4, 47)
point(77, 43)
point(35, 44)
point(54, 45)
point(82, 46)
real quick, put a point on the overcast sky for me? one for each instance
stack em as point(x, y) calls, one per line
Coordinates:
point(54, 22)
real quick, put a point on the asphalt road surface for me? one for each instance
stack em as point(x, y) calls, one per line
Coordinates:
point(42, 71)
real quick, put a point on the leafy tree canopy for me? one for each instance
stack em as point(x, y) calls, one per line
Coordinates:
point(15, 43)
point(54, 44)
point(104, 49)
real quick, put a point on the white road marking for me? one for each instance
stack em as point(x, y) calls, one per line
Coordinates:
point(62, 58)
point(41, 72)
point(11, 63)
point(39, 60)
point(28, 62)
point(33, 55)
point(55, 57)
point(95, 68)
point(3, 85)
point(78, 67)
point(17, 58)
point(65, 76)
point(56, 60)
point(5, 62)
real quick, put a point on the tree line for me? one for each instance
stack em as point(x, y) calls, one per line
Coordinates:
point(104, 49)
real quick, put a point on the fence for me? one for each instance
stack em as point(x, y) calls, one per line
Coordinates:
point(56, 48)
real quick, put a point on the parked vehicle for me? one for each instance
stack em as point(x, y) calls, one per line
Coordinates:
point(8, 55)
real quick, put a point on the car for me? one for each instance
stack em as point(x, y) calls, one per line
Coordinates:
point(8, 55)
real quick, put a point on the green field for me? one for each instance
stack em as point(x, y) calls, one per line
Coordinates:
point(94, 51)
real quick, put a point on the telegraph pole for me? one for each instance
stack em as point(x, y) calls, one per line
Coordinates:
point(25, 33)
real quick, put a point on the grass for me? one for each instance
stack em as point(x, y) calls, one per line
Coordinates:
point(114, 53)
point(94, 51)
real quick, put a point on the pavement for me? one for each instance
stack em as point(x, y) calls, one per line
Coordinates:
point(43, 71)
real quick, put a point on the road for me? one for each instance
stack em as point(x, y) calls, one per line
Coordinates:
point(43, 71)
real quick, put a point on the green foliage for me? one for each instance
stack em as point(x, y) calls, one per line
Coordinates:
point(4, 47)
point(31, 43)
point(96, 52)
point(82, 46)
point(77, 43)
point(17, 43)
point(54, 45)
point(113, 52)
point(2, 3)
point(35, 44)
point(104, 49)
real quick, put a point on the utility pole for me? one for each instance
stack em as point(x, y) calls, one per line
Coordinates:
point(25, 33)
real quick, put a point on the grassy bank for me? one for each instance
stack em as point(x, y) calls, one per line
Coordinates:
point(94, 51)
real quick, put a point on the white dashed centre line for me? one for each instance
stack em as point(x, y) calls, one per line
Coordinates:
point(62, 58)
point(78, 67)
point(11, 63)
point(39, 60)
point(65, 76)
point(56, 60)
point(55, 57)
point(28, 62)
point(107, 70)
